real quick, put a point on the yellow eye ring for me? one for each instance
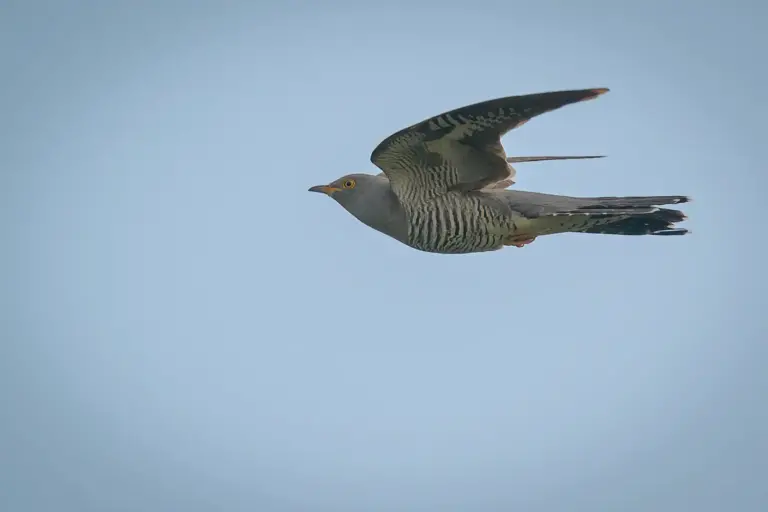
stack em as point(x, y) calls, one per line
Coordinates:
point(348, 184)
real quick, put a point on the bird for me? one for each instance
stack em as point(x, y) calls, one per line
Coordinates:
point(443, 185)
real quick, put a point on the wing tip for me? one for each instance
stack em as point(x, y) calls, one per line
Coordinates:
point(672, 232)
point(523, 159)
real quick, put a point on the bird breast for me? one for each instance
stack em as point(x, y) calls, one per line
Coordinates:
point(456, 223)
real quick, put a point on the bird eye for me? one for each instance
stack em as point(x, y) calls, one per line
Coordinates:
point(349, 184)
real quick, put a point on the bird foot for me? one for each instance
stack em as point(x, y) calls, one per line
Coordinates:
point(523, 243)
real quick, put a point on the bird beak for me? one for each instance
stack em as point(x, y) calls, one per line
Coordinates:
point(325, 189)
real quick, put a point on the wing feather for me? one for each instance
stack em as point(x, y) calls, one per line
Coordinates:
point(461, 149)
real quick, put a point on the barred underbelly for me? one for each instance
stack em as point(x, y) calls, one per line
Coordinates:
point(454, 225)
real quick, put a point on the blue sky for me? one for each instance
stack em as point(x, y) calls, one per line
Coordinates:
point(185, 327)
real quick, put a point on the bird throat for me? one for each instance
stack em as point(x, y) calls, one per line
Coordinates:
point(384, 213)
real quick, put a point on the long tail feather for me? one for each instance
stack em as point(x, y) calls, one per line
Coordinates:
point(641, 220)
point(635, 201)
point(631, 215)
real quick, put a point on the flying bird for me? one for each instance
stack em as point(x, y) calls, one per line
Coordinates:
point(443, 185)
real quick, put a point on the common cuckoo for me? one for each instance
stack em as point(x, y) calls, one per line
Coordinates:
point(444, 183)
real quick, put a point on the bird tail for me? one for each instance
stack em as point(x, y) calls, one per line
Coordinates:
point(632, 215)
point(655, 221)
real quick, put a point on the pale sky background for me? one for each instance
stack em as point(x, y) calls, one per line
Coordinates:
point(186, 328)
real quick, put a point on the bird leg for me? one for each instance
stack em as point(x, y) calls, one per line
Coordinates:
point(523, 243)
point(520, 242)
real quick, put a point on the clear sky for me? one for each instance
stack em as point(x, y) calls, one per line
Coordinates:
point(186, 328)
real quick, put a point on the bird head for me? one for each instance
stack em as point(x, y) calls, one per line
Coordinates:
point(353, 191)
point(370, 199)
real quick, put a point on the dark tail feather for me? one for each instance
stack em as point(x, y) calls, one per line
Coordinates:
point(660, 222)
point(632, 201)
point(547, 214)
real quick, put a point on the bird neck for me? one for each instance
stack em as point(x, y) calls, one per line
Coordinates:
point(384, 213)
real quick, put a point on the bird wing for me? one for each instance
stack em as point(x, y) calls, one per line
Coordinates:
point(461, 149)
point(510, 180)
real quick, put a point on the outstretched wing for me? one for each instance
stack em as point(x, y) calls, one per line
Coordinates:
point(461, 149)
point(510, 180)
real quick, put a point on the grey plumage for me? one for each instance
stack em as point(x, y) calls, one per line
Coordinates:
point(443, 185)
point(461, 149)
